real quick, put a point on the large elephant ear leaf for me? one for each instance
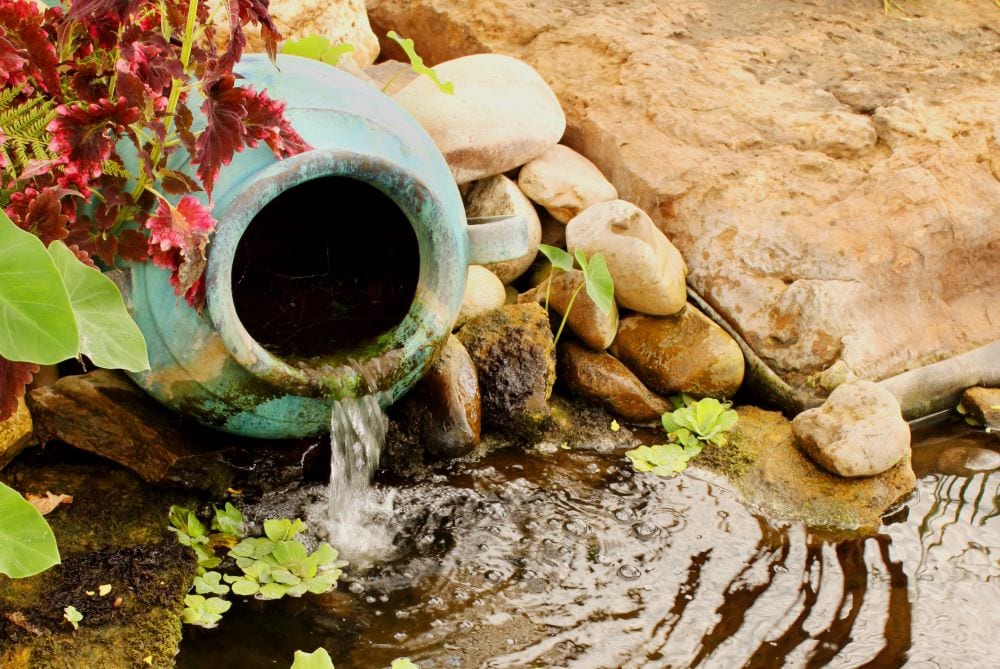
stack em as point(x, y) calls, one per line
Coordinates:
point(27, 545)
point(108, 335)
point(36, 319)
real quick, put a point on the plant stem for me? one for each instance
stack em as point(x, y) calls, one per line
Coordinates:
point(569, 307)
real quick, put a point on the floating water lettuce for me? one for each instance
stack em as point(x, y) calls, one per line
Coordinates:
point(662, 459)
point(705, 420)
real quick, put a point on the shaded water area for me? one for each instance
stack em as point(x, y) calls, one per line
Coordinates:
point(568, 559)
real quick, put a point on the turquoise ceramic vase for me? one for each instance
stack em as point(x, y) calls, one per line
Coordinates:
point(334, 273)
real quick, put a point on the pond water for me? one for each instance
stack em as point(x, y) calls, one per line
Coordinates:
point(569, 559)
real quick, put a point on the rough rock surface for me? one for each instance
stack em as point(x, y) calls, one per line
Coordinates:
point(564, 182)
point(499, 196)
point(602, 377)
point(105, 413)
point(113, 533)
point(859, 430)
point(686, 353)
point(771, 473)
point(585, 319)
point(830, 174)
point(982, 404)
point(502, 114)
point(647, 269)
point(442, 413)
point(512, 350)
point(15, 433)
point(484, 292)
point(337, 20)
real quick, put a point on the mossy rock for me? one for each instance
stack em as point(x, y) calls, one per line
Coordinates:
point(763, 463)
point(114, 533)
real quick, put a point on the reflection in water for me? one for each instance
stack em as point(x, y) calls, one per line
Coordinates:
point(570, 560)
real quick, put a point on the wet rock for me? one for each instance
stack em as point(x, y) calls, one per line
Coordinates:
point(564, 182)
point(956, 457)
point(771, 473)
point(647, 269)
point(585, 319)
point(501, 115)
point(859, 430)
point(602, 377)
point(683, 353)
point(104, 413)
point(15, 434)
point(340, 21)
point(484, 292)
point(443, 413)
point(114, 533)
point(750, 139)
point(983, 406)
point(499, 196)
point(511, 348)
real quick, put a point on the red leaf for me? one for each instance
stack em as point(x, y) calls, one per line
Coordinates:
point(224, 132)
point(84, 133)
point(242, 12)
point(133, 245)
point(184, 118)
point(14, 376)
point(178, 240)
point(26, 39)
point(44, 214)
point(89, 9)
point(265, 121)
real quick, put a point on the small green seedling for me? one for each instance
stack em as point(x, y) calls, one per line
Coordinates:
point(204, 612)
point(704, 420)
point(417, 63)
point(73, 616)
point(662, 459)
point(317, 47)
point(596, 279)
point(318, 659)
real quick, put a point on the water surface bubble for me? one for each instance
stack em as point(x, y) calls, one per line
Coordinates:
point(629, 572)
point(645, 529)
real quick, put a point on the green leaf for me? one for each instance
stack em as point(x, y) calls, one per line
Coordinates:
point(318, 659)
point(229, 521)
point(272, 591)
point(662, 459)
point(108, 335)
point(244, 587)
point(597, 279)
point(209, 583)
point(217, 605)
point(669, 424)
point(36, 319)
point(403, 663)
point(417, 63)
point(27, 545)
point(282, 529)
point(560, 259)
point(73, 616)
point(289, 553)
point(318, 48)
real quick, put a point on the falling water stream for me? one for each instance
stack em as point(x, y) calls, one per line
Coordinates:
point(568, 559)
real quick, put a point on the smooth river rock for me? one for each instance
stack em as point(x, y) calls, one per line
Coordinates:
point(502, 114)
point(647, 269)
point(511, 348)
point(830, 174)
point(686, 353)
point(484, 292)
point(603, 378)
point(585, 320)
point(859, 430)
point(983, 406)
point(442, 413)
point(564, 182)
point(499, 196)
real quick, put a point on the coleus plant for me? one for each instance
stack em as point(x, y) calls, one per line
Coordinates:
point(86, 84)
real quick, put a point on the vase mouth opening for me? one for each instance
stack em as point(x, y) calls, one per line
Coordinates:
point(315, 275)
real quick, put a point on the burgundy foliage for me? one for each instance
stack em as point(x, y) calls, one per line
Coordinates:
point(111, 74)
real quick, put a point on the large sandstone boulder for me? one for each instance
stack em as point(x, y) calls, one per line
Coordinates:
point(859, 430)
point(830, 174)
point(501, 115)
point(337, 20)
